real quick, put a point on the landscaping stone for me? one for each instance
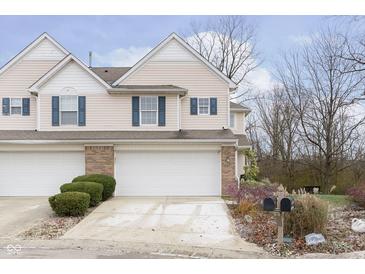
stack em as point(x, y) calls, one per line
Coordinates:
point(51, 228)
point(314, 239)
point(358, 225)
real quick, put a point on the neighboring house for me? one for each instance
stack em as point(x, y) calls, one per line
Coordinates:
point(164, 127)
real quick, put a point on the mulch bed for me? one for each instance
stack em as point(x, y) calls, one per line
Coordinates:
point(261, 229)
point(51, 228)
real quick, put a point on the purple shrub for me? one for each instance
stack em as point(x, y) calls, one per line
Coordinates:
point(253, 193)
point(357, 193)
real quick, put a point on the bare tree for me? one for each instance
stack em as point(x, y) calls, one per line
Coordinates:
point(323, 88)
point(229, 44)
point(279, 122)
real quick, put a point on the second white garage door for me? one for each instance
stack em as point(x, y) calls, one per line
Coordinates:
point(168, 173)
point(38, 173)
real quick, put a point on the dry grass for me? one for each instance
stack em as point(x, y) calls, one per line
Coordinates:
point(309, 215)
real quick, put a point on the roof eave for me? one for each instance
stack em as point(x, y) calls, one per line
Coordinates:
point(245, 110)
point(116, 91)
point(117, 141)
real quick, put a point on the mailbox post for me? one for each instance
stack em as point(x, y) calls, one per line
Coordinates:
point(285, 204)
point(280, 223)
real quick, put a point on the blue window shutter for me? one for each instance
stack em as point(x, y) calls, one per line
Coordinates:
point(6, 106)
point(213, 106)
point(25, 106)
point(135, 111)
point(193, 106)
point(55, 110)
point(82, 110)
point(162, 111)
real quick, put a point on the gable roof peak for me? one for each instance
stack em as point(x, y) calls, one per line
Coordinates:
point(31, 46)
point(59, 66)
point(181, 41)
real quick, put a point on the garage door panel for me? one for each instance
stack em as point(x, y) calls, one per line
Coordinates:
point(38, 173)
point(168, 173)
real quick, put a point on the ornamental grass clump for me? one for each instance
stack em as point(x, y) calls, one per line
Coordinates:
point(308, 216)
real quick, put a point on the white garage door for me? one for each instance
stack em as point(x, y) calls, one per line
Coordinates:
point(168, 173)
point(38, 173)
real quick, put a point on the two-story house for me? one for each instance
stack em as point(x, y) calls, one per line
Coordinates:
point(164, 127)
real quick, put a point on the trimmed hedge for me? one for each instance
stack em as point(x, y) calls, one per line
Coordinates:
point(95, 190)
point(107, 181)
point(70, 203)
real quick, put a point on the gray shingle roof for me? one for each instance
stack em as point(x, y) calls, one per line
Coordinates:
point(12, 135)
point(110, 74)
point(242, 140)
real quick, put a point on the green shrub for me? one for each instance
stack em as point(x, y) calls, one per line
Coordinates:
point(308, 216)
point(252, 169)
point(70, 203)
point(107, 181)
point(95, 190)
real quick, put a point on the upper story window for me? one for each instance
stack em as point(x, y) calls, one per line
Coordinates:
point(68, 109)
point(203, 105)
point(16, 106)
point(149, 110)
point(232, 120)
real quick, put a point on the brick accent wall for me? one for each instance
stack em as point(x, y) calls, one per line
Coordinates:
point(228, 168)
point(99, 159)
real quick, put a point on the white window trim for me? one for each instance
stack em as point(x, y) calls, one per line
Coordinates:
point(198, 98)
point(77, 111)
point(140, 112)
point(21, 106)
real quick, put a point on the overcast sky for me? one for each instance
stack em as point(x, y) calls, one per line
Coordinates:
point(123, 40)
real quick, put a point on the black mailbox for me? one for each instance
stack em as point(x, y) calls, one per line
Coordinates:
point(286, 204)
point(270, 204)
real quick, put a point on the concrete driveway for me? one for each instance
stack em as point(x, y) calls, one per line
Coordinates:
point(195, 222)
point(20, 213)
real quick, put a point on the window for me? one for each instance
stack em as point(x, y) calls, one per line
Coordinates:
point(203, 105)
point(231, 119)
point(16, 106)
point(149, 107)
point(68, 109)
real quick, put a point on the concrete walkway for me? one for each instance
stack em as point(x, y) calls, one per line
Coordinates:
point(178, 222)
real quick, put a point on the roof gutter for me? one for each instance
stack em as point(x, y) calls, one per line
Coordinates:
point(116, 141)
point(117, 91)
point(245, 110)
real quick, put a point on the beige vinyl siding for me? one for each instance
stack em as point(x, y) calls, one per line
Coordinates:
point(194, 76)
point(15, 81)
point(13, 84)
point(173, 51)
point(239, 126)
point(103, 111)
point(45, 50)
